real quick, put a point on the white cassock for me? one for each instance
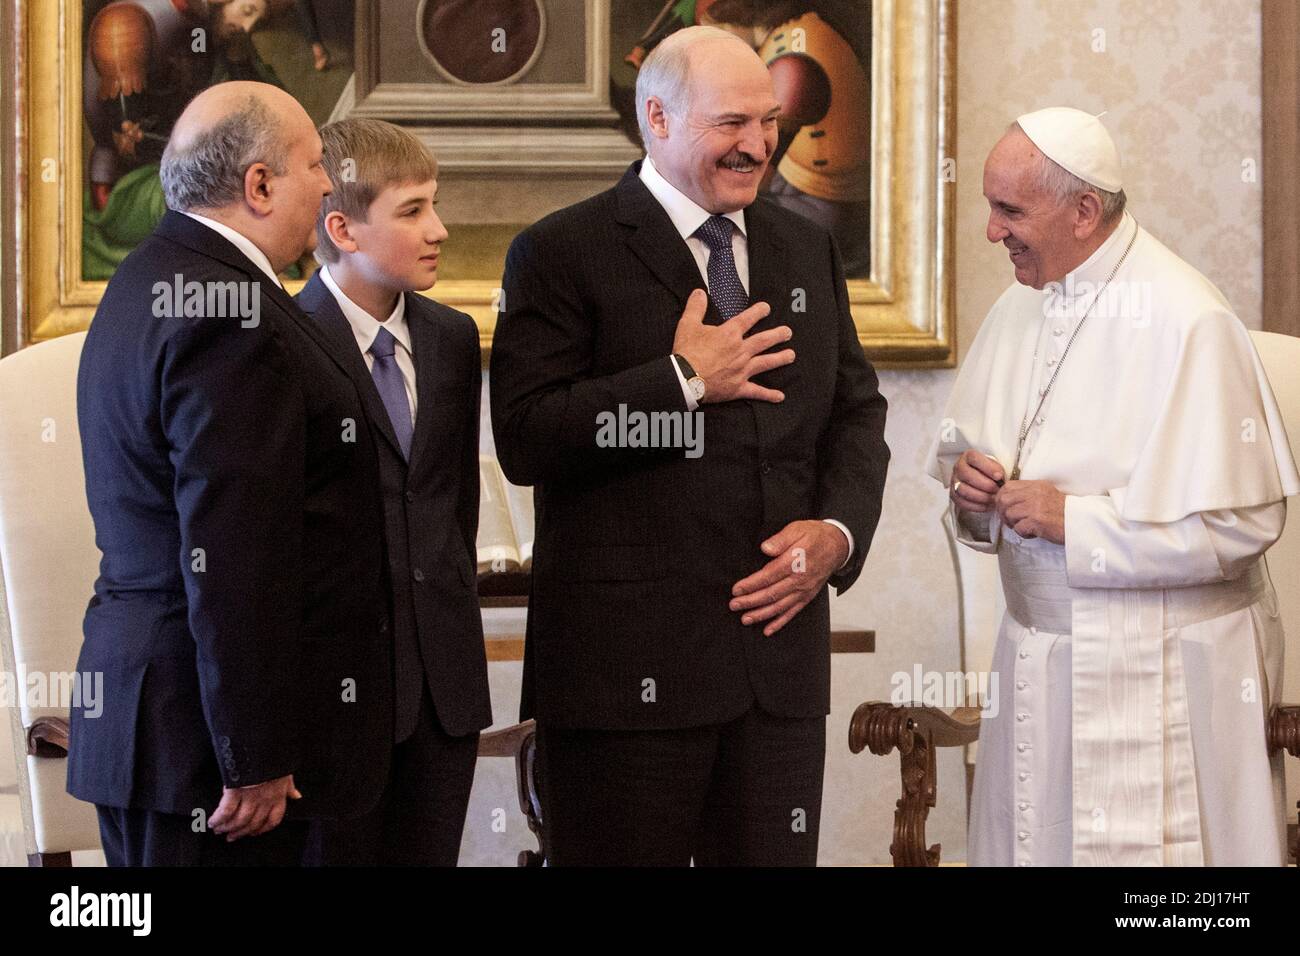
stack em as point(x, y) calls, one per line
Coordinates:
point(1137, 663)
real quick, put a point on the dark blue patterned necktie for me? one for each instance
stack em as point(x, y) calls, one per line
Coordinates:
point(725, 289)
point(392, 388)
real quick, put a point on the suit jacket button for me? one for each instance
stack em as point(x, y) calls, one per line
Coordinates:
point(417, 574)
point(383, 625)
point(765, 468)
point(410, 496)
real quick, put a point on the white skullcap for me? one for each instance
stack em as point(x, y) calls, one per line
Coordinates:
point(1077, 142)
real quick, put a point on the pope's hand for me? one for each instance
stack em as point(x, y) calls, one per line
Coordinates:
point(806, 554)
point(1034, 509)
point(975, 481)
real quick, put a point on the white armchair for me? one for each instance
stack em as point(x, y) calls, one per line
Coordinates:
point(1281, 357)
point(48, 563)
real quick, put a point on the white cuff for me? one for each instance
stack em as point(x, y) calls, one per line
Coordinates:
point(848, 534)
point(970, 536)
point(691, 403)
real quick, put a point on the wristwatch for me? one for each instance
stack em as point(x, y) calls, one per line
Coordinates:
point(693, 381)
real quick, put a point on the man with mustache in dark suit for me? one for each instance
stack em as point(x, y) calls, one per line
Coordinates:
point(678, 646)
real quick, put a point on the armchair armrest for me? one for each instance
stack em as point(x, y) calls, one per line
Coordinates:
point(1284, 729)
point(915, 731)
point(48, 737)
point(520, 742)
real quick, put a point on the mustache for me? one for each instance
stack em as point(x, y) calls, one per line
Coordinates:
point(739, 157)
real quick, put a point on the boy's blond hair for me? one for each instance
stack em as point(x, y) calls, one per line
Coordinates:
point(363, 157)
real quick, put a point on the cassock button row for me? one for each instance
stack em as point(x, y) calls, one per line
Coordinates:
point(1023, 805)
point(1024, 655)
point(1024, 775)
point(1043, 390)
point(1022, 748)
point(1021, 684)
point(1022, 717)
point(1023, 835)
point(1051, 362)
point(1041, 420)
point(1033, 630)
point(1058, 331)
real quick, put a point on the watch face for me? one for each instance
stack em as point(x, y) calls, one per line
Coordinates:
point(697, 387)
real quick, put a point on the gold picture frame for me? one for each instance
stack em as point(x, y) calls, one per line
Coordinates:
point(904, 311)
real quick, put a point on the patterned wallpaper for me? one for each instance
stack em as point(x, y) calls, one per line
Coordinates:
point(1180, 79)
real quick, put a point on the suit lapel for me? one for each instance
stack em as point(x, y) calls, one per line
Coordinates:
point(427, 344)
point(329, 321)
point(654, 239)
point(769, 282)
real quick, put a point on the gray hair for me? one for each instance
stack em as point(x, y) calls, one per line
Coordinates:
point(208, 171)
point(1059, 182)
point(665, 74)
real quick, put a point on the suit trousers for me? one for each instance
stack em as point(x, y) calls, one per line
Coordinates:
point(420, 816)
point(134, 837)
point(746, 792)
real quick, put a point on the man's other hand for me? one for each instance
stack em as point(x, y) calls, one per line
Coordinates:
point(806, 554)
point(252, 811)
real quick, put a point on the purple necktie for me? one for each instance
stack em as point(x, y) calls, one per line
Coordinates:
point(392, 389)
point(725, 289)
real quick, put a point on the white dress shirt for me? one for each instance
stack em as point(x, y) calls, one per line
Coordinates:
point(365, 327)
point(240, 242)
point(687, 217)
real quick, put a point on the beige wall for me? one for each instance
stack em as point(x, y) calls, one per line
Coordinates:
point(1180, 79)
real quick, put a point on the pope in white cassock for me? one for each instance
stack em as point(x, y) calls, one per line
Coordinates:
point(1113, 439)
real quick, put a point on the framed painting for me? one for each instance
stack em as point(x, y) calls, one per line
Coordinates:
point(529, 107)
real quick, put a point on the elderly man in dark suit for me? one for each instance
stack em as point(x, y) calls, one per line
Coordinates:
point(678, 658)
point(239, 616)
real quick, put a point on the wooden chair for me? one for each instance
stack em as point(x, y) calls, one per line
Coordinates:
point(519, 741)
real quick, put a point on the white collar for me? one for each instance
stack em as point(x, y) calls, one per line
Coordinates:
point(686, 214)
point(1090, 274)
point(364, 325)
point(240, 242)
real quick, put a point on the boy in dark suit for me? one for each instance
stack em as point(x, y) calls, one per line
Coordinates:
point(417, 364)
